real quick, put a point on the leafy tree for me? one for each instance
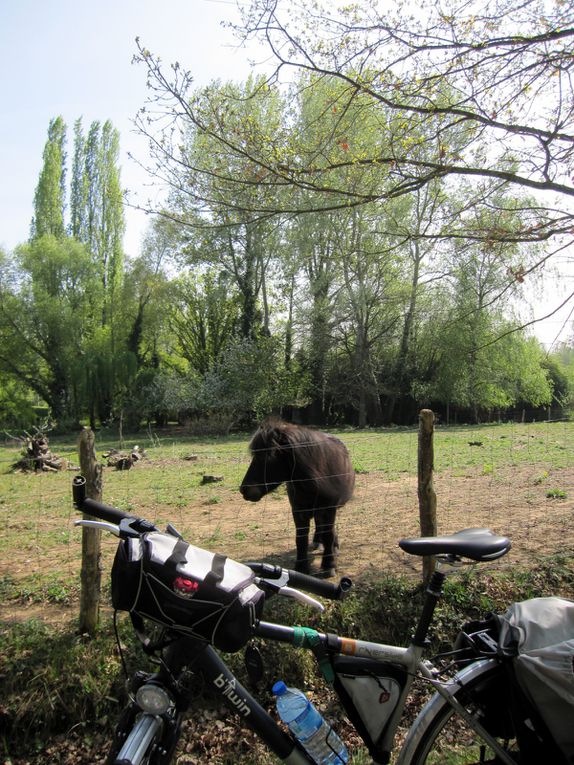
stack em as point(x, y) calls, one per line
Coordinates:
point(200, 170)
point(78, 186)
point(44, 319)
point(16, 404)
point(98, 218)
point(495, 372)
point(204, 318)
point(460, 64)
point(61, 338)
point(49, 199)
point(249, 381)
point(313, 242)
point(458, 95)
point(560, 366)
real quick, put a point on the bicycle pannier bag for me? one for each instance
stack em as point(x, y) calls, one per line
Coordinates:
point(540, 634)
point(187, 589)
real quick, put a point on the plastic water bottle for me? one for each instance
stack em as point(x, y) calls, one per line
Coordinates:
point(307, 725)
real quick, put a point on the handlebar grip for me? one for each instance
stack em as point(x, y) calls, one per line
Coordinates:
point(92, 506)
point(320, 586)
point(104, 512)
point(304, 581)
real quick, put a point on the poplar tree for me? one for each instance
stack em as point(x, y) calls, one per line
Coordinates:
point(57, 324)
point(49, 199)
point(98, 221)
point(78, 186)
point(97, 211)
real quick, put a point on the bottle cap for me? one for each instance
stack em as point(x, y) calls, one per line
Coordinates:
point(279, 688)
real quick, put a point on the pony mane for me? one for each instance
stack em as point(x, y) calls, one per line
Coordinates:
point(274, 432)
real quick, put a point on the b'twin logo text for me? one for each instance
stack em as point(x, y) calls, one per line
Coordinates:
point(228, 689)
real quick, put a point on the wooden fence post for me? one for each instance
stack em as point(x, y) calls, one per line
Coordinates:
point(426, 493)
point(91, 573)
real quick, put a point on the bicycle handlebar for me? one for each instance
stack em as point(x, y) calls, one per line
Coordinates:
point(104, 512)
point(305, 582)
point(267, 571)
point(92, 506)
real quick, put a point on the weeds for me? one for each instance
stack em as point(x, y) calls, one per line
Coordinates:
point(52, 588)
point(556, 494)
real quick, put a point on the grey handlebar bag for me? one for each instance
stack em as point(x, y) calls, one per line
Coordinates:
point(186, 589)
point(540, 633)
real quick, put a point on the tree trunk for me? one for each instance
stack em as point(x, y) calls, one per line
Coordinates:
point(91, 573)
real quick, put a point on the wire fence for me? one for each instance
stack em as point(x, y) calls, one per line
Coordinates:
point(515, 478)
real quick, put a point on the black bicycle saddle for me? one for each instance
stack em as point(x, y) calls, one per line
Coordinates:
point(476, 544)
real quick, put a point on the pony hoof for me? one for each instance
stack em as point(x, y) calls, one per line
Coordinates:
point(327, 573)
point(315, 546)
point(302, 568)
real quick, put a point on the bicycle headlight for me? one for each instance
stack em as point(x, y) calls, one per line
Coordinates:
point(153, 699)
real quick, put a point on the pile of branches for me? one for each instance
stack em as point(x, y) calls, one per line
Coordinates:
point(36, 455)
point(123, 460)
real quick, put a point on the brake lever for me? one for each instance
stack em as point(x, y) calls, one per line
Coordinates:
point(124, 529)
point(102, 525)
point(290, 592)
point(279, 587)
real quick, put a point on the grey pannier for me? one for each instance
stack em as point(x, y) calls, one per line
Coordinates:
point(540, 632)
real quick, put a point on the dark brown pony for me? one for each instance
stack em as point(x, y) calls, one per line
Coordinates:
point(319, 475)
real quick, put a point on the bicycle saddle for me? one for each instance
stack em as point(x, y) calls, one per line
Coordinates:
point(476, 544)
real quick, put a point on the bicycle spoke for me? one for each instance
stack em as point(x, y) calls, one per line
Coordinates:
point(455, 743)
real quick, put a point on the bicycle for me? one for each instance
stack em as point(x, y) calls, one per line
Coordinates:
point(476, 714)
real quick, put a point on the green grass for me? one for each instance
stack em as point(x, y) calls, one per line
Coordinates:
point(556, 494)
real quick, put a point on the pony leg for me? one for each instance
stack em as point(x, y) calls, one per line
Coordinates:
point(317, 539)
point(325, 521)
point(302, 520)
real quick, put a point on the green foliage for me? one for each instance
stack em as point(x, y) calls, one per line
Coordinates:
point(560, 368)
point(16, 405)
point(47, 673)
point(485, 368)
point(236, 309)
point(43, 315)
point(49, 199)
point(58, 309)
point(556, 494)
point(204, 316)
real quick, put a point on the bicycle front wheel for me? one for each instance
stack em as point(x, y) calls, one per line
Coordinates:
point(143, 739)
point(441, 735)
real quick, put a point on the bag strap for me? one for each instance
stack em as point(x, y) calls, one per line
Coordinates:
point(179, 556)
point(215, 576)
point(140, 630)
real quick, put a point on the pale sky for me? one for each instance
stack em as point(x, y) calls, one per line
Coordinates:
point(73, 58)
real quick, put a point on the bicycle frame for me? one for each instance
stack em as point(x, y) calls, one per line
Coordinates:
point(409, 659)
point(156, 713)
point(381, 658)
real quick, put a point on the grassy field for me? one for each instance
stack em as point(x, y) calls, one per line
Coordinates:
point(60, 693)
point(487, 475)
